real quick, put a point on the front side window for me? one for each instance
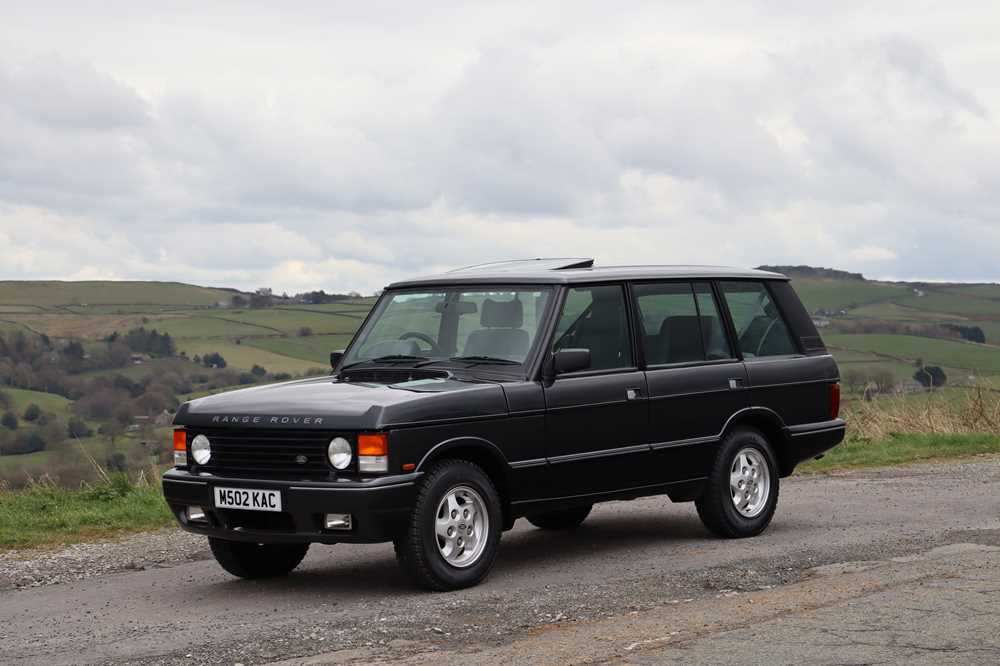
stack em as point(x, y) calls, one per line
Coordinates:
point(595, 318)
point(759, 327)
point(484, 323)
point(680, 323)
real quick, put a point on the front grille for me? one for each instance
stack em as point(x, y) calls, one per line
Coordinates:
point(295, 453)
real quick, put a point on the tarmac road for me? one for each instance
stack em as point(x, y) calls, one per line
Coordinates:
point(875, 566)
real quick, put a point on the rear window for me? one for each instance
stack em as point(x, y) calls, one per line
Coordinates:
point(760, 328)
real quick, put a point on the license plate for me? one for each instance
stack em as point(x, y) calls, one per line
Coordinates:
point(251, 499)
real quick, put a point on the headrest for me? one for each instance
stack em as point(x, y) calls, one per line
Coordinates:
point(502, 314)
point(681, 326)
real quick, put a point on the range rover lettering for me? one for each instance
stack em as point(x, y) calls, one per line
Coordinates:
point(524, 389)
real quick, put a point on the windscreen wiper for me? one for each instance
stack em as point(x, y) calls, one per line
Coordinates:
point(485, 359)
point(382, 359)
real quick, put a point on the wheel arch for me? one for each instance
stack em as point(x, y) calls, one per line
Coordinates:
point(483, 453)
point(768, 422)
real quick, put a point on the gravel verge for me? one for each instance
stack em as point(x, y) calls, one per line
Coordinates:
point(135, 552)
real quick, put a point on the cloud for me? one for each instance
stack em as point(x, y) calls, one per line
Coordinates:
point(872, 253)
point(345, 148)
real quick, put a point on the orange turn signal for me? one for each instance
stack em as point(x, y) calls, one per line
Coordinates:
point(409, 467)
point(180, 440)
point(373, 444)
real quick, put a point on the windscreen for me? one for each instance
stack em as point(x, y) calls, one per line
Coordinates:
point(461, 322)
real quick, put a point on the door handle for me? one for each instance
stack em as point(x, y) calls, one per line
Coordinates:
point(736, 383)
point(632, 394)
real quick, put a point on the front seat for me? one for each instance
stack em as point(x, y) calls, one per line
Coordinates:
point(501, 335)
point(681, 339)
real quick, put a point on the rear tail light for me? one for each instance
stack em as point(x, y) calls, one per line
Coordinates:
point(180, 448)
point(373, 452)
point(834, 400)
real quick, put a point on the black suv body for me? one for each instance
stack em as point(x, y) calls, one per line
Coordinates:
point(525, 389)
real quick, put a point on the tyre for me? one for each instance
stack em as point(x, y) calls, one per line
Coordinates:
point(257, 560)
point(453, 533)
point(563, 519)
point(742, 491)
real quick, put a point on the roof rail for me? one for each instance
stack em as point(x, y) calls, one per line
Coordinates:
point(541, 263)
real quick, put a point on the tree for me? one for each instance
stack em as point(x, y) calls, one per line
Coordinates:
point(258, 371)
point(32, 412)
point(213, 360)
point(261, 298)
point(931, 376)
point(78, 428)
point(305, 332)
point(9, 421)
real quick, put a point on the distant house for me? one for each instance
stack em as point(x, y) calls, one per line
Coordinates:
point(918, 292)
point(139, 359)
point(820, 322)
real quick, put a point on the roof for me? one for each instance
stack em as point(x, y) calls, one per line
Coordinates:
point(574, 270)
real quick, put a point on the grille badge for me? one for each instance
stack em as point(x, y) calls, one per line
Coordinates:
point(300, 459)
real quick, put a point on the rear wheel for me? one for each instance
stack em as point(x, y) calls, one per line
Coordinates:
point(742, 491)
point(257, 560)
point(563, 519)
point(454, 530)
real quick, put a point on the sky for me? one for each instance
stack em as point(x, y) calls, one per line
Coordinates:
point(344, 145)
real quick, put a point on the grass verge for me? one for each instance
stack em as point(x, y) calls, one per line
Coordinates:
point(901, 449)
point(44, 515)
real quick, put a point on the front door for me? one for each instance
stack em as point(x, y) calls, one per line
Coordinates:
point(596, 419)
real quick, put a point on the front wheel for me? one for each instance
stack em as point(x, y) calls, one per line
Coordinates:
point(257, 560)
point(454, 529)
point(742, 491)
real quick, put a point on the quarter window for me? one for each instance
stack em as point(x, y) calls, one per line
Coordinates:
point(595, 318)
point(680, 323)
point(759, 327)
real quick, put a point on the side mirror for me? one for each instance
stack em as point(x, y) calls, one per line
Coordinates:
point(570, 360)
point(335, 358)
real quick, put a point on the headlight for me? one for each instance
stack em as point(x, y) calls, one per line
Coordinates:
point(201, 449)
point(339, 452)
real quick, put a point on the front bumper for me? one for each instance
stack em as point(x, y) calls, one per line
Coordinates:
point(380, 508)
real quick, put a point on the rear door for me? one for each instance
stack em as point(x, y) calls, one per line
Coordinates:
point(695, 379)
point(781, 376)
point(596, 419)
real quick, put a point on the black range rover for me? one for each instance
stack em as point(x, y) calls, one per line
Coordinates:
point(523, 389)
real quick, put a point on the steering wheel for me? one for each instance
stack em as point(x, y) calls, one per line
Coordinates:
point(423, 337)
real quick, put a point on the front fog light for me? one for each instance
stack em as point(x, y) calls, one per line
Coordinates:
point(201, 449)
point(373, 463)
point(339, 452)
point(338, 521)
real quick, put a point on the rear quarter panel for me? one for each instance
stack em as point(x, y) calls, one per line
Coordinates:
point(796, 388)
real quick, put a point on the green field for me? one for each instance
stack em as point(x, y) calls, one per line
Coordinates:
point(314, 348)
point(983, 359)
point(108, 292)
point(831, 294)
point(244, 356)
point(967, 306)
point(204, 326)
point(49, 402)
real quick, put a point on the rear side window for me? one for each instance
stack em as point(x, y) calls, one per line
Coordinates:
point(680, 323)
point(595, 318)
point(760, 329)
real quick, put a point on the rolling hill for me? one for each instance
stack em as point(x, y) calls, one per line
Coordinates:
point(270, 337)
